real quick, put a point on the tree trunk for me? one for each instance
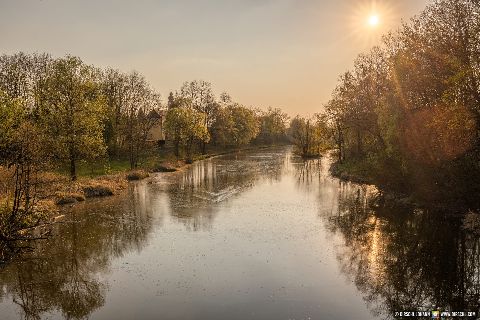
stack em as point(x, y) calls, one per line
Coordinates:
point(132, 161)
point(73, 168)
point(359, 143)
point(176, 145)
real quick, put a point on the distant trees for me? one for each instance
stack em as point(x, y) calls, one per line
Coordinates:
point(310, 135)
point(130, 102)
point(228, 123)
point(235, 125)
point(221, 122)
point(198, 94)
point(273, 126)
point(186, 126)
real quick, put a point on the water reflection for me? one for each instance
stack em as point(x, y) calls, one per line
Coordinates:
point(262, 235)
point(308, 173)
point(406, 259)
point(63, 274)
point(195, 194)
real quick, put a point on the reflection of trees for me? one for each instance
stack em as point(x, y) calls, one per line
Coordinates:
point(62, 273)
point(308, 172)
point(195, 195)
point(404, 259)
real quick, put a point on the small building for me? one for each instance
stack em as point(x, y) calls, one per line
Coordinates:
point(156, 134)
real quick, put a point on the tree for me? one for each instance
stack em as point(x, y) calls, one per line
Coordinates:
point(21, 154)
point(273, 126)
point(140, 101)
point(309, 135)
point(186, 126)
point(408, 113)
point(234, 124)
point(114, 89)
point(171, 101)
point(131, 103)
point(199, 96)
point(73, 112)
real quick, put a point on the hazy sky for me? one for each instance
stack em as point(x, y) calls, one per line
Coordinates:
point(285, 53)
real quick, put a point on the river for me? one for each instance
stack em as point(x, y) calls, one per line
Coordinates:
point(252, 235)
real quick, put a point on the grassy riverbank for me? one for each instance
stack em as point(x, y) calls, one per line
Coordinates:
point(354, 171)
point(55, 190)
point(414, 188)
point(157, 161)
point(390, 195)
point(112, 177)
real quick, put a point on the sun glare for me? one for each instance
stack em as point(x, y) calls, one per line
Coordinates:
point(370, 19)
point(373, 20)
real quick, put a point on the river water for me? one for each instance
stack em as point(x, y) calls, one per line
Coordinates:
point(253, 235)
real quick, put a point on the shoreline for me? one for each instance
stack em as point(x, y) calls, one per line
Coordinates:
point(69, 193)
point(390, 197)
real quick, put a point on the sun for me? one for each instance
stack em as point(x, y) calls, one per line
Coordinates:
point(373, 20)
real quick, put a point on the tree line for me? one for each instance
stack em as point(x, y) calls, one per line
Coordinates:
point(407, 115)
point(63, 111)
point(73, 111)
point(196, 119)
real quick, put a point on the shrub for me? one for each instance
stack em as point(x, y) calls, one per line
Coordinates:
point(67, 198)
point(97, 190)
point(137, 175)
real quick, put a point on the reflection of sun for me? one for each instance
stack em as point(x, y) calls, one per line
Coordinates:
point(376, 250)
point(373, 20)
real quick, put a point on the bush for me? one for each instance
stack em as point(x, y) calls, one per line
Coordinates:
point(67, 198)
point(97, 190)
point(137, 175)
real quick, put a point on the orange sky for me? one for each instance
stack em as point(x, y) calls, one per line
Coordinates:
point(279, 53)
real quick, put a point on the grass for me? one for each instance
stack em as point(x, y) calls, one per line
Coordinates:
point(112, 166)
point(353, 170)
point(96, 169)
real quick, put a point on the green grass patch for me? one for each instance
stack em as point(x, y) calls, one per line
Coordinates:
point(360, 171)
point(95, 169)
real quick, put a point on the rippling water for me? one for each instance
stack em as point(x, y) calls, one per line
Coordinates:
point(253, 235)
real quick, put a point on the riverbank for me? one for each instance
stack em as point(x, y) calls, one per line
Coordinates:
point(57, 194)
point(351, 172)
point(361, 173)
point(395, 191)
point(57, 190)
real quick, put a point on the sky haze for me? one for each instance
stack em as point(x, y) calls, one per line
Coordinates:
point(279, 53)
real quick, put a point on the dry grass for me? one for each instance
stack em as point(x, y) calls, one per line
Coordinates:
point(61, 190)
point(171, 165)
point(66, 197)
point(102, 186)
point(137, 175)
point(51, 190)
